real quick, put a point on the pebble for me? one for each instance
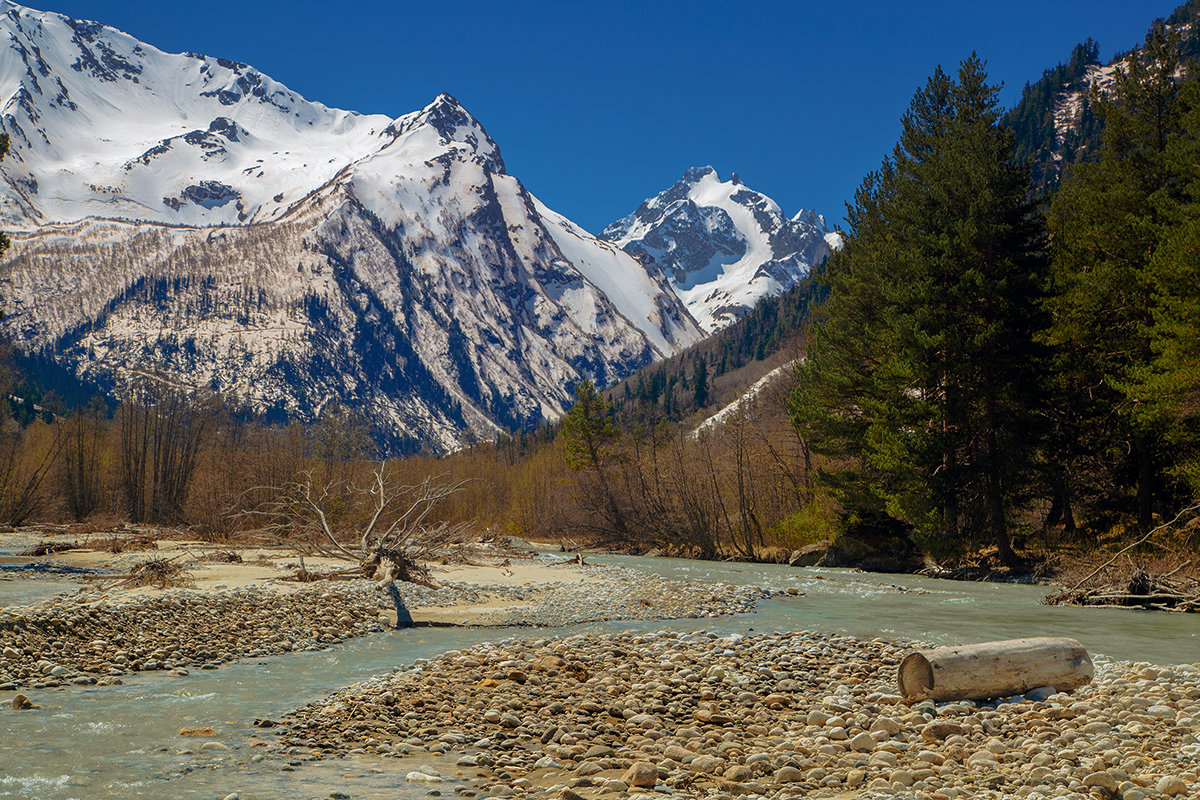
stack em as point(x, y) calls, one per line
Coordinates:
point(1170, 786)
point(642, 774)
point(90, 634)
point(697, 715)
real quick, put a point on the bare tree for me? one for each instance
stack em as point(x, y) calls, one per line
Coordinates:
point(161, 433)
point(26, 459)
point(395, 533)
point(81, 473)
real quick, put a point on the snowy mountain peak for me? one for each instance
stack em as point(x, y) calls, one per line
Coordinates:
point(454, 124)
point(722, 244)
point(190, 218)
point(697, 174)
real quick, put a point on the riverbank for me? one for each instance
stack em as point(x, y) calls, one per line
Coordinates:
point(231, 611)
point(778, 715)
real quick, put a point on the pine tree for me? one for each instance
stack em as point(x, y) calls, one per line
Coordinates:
point(700, 383)
point(921, 375)
point(4, 240)
point(590, 437)
point(1108, 224)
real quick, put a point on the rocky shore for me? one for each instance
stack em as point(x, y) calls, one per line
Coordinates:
point(94, 637)
point(780, 715)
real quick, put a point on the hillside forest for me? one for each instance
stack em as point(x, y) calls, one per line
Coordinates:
point(984, 370)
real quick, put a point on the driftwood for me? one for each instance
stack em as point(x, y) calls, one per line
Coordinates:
point(994, 669)
point(1140, 590)
point(1137, 586)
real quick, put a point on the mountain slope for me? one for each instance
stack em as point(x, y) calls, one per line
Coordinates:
point(1056, 120)
point(722, 245)
point(193, 220)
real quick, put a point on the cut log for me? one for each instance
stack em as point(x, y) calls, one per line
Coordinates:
point(994, 669)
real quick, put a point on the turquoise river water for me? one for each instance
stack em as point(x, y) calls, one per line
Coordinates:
point(121, 741)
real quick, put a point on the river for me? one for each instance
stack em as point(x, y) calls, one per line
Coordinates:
point(122, 742)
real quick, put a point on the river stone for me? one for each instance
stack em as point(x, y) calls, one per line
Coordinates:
point(982, 758)
point(677, 753)
point(642, 774)
point(862, 743)
point(788, 775)
point(809, 555)
point(1101, 780)
point(1170, 786)
point(205, 731)
point(995, 746)
point(22, 703)
point(1040, 694)
point(706, 763)
point(421, 777)
point(739, 773)
point(941, 729)
point(886, 725)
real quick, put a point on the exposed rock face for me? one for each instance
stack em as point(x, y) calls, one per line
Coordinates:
point(225, 233)
point(874, 548)
point(722, 245)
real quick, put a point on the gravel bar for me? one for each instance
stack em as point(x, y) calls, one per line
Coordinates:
point(93, 637)
point(690, 715)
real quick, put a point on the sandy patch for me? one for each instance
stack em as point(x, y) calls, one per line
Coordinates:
point(265, 567)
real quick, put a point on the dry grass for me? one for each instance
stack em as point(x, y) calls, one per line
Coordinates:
point(158, 572)
point(124, 544)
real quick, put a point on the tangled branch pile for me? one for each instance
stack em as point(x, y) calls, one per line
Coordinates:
point(1141, 583)
point(158, 572)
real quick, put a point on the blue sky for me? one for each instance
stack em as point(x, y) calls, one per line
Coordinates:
point(596, 106)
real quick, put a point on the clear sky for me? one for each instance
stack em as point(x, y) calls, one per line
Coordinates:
point(597, 105)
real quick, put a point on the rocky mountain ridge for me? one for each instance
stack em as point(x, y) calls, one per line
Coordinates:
point(191, 221)
point(722, 245)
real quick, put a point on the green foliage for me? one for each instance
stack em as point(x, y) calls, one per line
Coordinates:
point(588, 431)
point(1032, 121)
point(816, 521)
point(1125, 290)
point(920, 377)
point(700, 384)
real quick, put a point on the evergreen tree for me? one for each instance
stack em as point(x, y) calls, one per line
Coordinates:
point(4, 241)
point(1108, 223)
point(700, 383)
point(920, 377)
point(589, 439)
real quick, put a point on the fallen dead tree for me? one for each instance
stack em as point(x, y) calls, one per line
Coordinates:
point(994, 669)
point(1123, 582)
point(158, 572)
point(392, 544)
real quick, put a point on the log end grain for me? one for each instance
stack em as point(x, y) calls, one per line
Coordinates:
point(915, 677)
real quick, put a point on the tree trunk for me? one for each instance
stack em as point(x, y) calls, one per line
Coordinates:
point(994, 669)
point(1145, 484)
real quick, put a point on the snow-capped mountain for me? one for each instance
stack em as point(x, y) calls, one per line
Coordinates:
point(191, 219)
point(722, 245)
